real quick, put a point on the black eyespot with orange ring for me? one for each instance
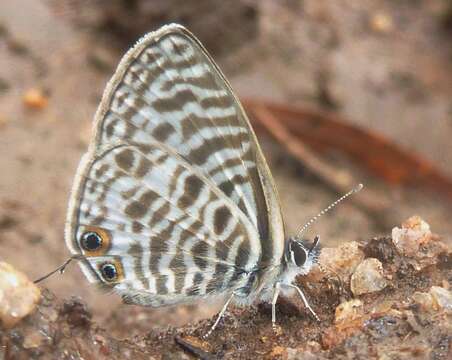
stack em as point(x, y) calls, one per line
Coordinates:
point(111, 271)
point(95, 241)
point(91, 241)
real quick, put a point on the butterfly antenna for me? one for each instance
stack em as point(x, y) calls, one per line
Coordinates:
point(59, 269)
point(324, 211)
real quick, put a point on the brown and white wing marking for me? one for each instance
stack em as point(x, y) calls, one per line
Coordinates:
point(184, 140)
point(171, 233)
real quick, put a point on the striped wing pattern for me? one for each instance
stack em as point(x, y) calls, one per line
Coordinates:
point(174, 180)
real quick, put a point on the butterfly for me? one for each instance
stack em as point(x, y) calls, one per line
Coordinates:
point(174, 200)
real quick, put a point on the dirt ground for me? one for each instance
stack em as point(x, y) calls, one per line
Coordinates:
point(386, 66)
point(409, 317)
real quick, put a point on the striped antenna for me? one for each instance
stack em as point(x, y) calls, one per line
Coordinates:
point(324, 211)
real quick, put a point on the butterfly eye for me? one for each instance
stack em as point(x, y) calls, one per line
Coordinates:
point(299, 254)
point(95, 241)
point(109, 272)
point(91, 241)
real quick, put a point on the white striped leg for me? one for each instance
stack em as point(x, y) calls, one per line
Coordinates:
point(220, 315)
point(303, 297)
point(275, 298)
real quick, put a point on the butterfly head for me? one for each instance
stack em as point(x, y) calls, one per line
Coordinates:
point(302, 255)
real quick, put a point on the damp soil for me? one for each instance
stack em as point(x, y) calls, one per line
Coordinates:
point(390, 322)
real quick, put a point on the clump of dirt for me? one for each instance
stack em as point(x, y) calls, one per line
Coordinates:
point(409, 317)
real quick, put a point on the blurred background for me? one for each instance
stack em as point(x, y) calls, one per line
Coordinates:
point(381, 66)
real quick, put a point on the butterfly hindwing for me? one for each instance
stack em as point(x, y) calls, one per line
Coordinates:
point(165, 223)
point(175, 177)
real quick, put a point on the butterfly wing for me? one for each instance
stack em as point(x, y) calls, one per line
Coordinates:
point(174, 182)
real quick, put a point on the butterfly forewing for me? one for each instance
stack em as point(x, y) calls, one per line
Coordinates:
point(175, 179)
point(171, 93)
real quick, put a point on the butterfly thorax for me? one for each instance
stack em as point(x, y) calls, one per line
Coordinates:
point(298, 259)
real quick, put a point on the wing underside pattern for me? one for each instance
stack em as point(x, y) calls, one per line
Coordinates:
point(173, 230)
point(174, 176)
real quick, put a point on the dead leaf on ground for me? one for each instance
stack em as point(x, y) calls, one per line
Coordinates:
point(324, 131)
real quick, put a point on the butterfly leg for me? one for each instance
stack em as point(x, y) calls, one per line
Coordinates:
point(303, 297)
point(275, 298)
point(220, 315)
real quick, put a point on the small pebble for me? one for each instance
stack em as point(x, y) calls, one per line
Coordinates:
point(442, 297)
point(18, 295)
point(368, 277)
point(413, 233)
point(35, 99)
point(33, 339)
point(437, 299)
point(342, 260)
point(382, 23)
point(416, 223)
point(277, 351)
point(349, 311)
